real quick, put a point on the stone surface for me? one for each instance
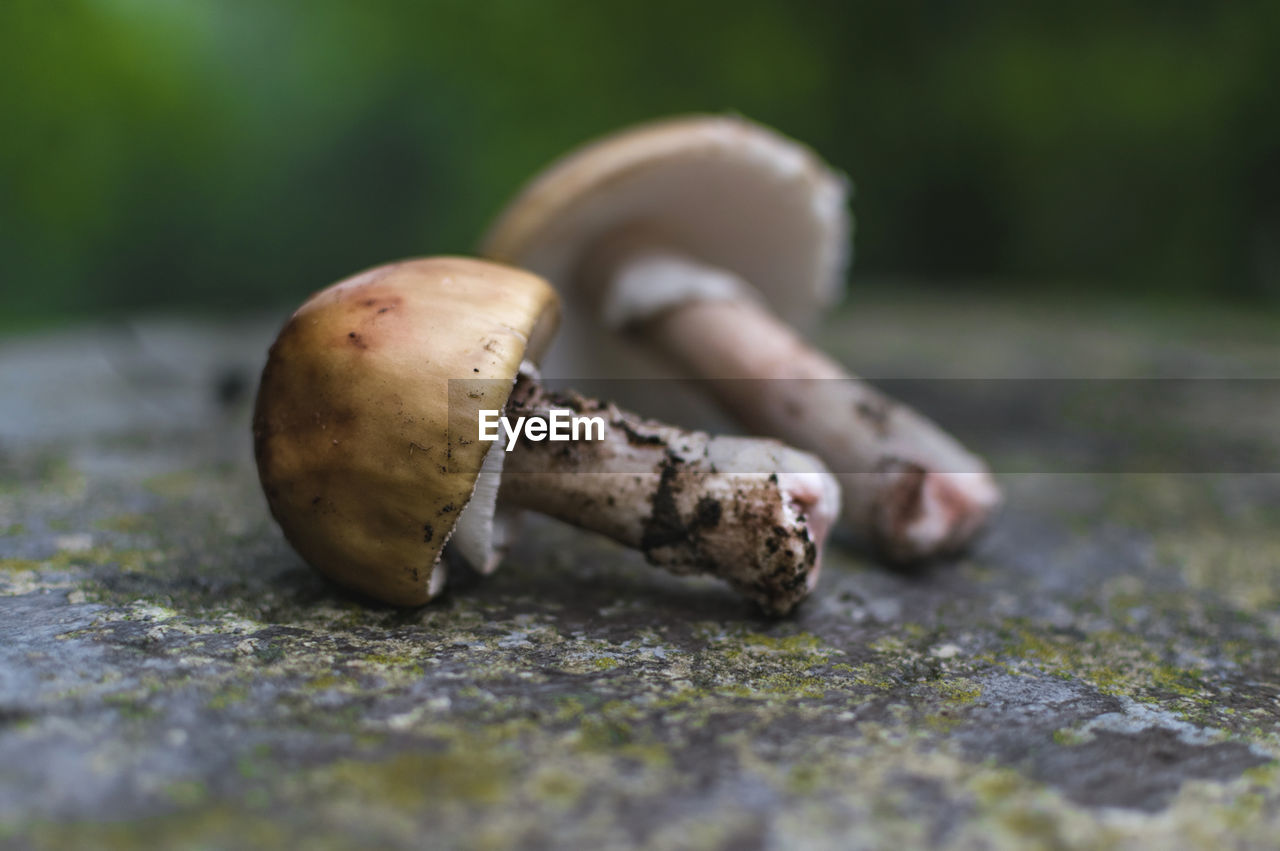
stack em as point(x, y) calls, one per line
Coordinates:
point(1101, 670)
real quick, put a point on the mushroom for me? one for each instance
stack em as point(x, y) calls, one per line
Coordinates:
point(704, 239)
point(369, 450)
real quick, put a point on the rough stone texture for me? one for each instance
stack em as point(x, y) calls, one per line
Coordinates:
point(1102, 670)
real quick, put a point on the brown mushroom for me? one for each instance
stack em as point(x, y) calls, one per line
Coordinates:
point(704, 238)
point(368, 445)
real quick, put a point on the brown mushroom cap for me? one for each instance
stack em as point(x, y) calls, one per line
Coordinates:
point(351, 429)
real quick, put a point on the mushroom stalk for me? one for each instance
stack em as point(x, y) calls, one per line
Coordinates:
point(750, 511)
point(909, 487)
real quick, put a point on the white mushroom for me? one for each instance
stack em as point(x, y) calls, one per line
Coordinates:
point(705, 239)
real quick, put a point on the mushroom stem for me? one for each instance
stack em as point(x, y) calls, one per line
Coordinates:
point(748, 510)
point(910, 488)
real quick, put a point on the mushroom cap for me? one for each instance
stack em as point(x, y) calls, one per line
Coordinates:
point(730, 192)
point(352, 424)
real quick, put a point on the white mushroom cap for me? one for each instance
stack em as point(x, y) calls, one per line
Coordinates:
point(725, 191)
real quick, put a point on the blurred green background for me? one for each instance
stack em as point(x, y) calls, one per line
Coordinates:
point(233, 153)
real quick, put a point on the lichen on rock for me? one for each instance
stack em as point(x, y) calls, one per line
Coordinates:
point(1099, 672)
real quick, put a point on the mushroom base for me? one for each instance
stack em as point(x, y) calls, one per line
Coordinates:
point(750, 511)
point(909, 487)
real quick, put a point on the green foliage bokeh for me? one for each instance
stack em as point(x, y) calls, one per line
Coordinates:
point(232, 153)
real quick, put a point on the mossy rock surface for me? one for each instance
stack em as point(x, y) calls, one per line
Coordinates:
point(1102, 670)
